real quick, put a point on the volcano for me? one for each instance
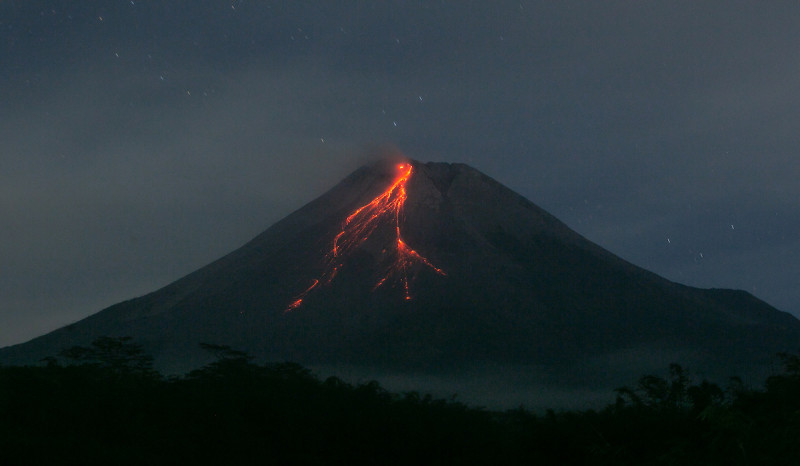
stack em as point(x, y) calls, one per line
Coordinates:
point(435, 272)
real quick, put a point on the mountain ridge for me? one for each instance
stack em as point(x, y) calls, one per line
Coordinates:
point(518, 287)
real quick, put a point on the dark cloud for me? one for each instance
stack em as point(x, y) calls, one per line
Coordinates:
point(141, 140)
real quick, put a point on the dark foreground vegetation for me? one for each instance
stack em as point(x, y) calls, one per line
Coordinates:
point(109, 407)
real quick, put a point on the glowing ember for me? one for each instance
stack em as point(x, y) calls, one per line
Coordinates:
point(358, 227)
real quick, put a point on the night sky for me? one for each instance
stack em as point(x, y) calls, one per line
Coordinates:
point(140, 140)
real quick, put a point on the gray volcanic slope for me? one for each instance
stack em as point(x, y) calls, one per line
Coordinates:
point(522, 300)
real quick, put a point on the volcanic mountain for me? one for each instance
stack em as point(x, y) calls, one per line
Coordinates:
point(439, 271)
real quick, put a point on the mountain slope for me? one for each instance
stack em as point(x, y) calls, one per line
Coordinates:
point(435, 268)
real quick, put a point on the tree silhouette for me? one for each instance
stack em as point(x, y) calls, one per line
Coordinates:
point(117, 354)
point(107, 409)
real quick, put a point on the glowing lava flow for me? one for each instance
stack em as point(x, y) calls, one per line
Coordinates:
point(361, 224)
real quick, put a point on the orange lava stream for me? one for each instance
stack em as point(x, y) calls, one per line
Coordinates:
point(359, 225)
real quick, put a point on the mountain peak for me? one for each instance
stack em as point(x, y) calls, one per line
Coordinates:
point(436, 267)
point(386, 211)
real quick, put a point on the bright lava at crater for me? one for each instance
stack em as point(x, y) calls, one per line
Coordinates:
point(358, 227)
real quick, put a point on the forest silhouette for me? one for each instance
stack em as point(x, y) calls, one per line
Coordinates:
point(105, 404)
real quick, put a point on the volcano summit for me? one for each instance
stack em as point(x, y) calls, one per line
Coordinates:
point(437, 272)
point(386, 209)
